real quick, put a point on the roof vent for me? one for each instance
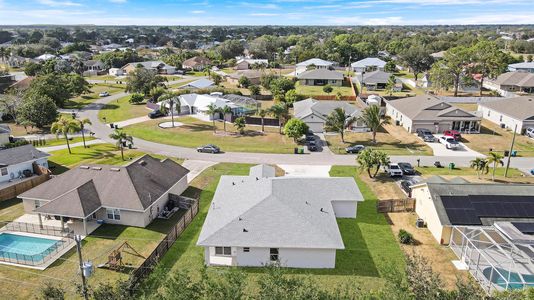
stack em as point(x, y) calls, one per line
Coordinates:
point(233, 183)
point(115, 169)
point(245, 230)
point(142, 163)
point(324, 211)
point(308, 203)
point(84, 167)
point(239, 219)
point(257, 179)
point(96, 168)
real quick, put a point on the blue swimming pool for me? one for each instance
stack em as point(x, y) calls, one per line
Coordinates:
point(514, 281)
point(14, 247)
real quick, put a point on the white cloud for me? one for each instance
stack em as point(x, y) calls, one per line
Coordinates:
point(263, 15)
point(260, 5)
point(198, 12)
point(118, 1)
point(58, 3)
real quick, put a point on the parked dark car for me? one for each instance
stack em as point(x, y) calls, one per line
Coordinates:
point(312, 146)
point(429, 138)
point(210, 148)
point(405, 185)
point(422, 132)
point(310, 138)
point(155, 114)
point(354, 148)
point(406, 168)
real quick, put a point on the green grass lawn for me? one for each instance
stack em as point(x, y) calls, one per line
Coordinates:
point(121, 110)
point(96, 89)
point(180, 84)
point(61, 141)
point(195, 133)
point(369, 241)
point(102, 77)
point(318, 90)
point(465, 171)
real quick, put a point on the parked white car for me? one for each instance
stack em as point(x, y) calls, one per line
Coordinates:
point(394, 170)
point(449, 142)
point(530, 132)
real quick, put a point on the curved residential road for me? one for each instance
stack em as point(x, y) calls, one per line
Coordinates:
point(103, 131)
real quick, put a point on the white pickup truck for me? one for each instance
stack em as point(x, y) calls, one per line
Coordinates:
point(449, 142)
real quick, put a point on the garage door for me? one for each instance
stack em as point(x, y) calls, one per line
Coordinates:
point(316, 127)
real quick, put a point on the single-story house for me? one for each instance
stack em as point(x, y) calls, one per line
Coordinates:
point(515, 82)
point(93, 67)
point(15, 61)
point(5, 134)
point(89, 195)
point(199, 84)
point(156, 65)
point(315, 63)
point(443, 204)
point(429, 112)
point(14, 162)
point(321, 77)
point(196, 63)
point(254, 76)
point(522, 67)
point(368, 64)
point(314, 113)
point(45, 57)
point(260, 219)
point(116, 72)
point(377, 80)
point(510, 112)
point(247, 63)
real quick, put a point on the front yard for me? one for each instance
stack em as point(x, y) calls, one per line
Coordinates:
point(96, 89)
point(390, 139)
point(121, 110)
point(194, 133)
point(310, 91)
point(369, 242)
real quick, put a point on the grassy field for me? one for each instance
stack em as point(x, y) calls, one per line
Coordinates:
point(465, 171)
point(180, 84)
point(369, 242)
point(103, 77)
point(19, 130)
point(498, 139)
point(392, 140)
point(61, 141)
point(318, 90)
point(195, 133)
point(121, 110)
point(83, 100)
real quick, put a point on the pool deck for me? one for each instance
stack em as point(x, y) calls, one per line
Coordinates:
point(77, 227)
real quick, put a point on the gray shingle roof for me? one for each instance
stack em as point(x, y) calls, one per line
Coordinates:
point(376, 77)
point(78, 203)
point(315, 62)
point(520, 79)
point(321, 74)
point(17, 155)
point(369, 62)
point(133, 187)
point(200, 84)
point(322, 108)
point(282, 212)
point(520, 108)
point(430, 108)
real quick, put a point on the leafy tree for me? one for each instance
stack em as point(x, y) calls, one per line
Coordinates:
point(142, 80)
point(480, 165)
point(451, 69)
point(291, 97)
point(32, 68)
point(37, 111)
point(108, 291)
point(244, 81)
point(226, 110)
point(390, 67)
point(418, 59)
point(117, 59)
point(76, 84)
point(82, 124)
point(230, 49)
point(494, 158)
point(295, 129)
point(488, 61)
point(10, 103)
point(373, 119)
point(368, 159)
point(390, 86)
point(254, 90)
point(58, 87)
point(240, 124)
point(328, 89)
point(281, 112)
point(338, 121)
point(280, 86)
point(51, 291)
point(212, 110)
point(122, 138)
point(64, 126)
point(136, 98)
point(262, 113)
point(216, 78)
point(266, 79)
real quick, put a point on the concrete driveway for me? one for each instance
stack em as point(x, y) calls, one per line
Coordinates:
point(196, 167)
point(440, 150)
point(306, 170)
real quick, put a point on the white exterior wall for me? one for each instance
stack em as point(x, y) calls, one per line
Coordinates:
point(13, 170)
point(499, 118)
point(345, 209)
point(398, 116)
point(4, 139)
point(424, 207)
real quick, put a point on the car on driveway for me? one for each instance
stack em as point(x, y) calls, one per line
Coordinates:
point(310, 138)
point(209, 148)
point(449, 142)
point(429, 138)
point(423, 131)
point(406, 168)
point(103, 94)
point(394, 170)
point(455, 134)
point(354, 148)
point(312, 146)
point(155, 114)
point(530, 132)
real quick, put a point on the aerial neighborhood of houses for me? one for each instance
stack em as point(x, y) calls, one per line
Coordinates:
point(128, 153)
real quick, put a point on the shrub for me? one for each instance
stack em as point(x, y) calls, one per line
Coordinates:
point(136, 99)
point(16, 143)
point(405, 237)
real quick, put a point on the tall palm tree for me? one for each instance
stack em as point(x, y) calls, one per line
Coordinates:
point(281, 112)
point(495, 158)
point(65, 126)
point(121, 137)
point(338, 121)
point(82, 124)
point(174, 102)
point(262, 113)
point(373, 119)
point(212, 110)
point(480, 165)
point(226, 110)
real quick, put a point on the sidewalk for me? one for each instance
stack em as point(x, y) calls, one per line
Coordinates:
point(61, 147)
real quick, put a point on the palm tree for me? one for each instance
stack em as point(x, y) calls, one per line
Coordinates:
point(65, 126)
point(82, 124)
point(173, 101)
point(373, 119)
point(480, 165)
point(369, 158)
point(262, 113)
point(121, 137)
point(226, 110)
point(495, 158)
point(212, 110)
point(281, 112)
point(338, 121)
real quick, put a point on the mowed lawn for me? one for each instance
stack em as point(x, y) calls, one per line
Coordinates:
point(308, 90)
point(369, 241)
point(499, 139)
point(392, 140)
point(96, 89)
point(121, 109)
point(194, 133)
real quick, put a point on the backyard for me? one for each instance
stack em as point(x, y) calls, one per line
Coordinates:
point(121, 110)
point(310, 91)
point(96, 89)
point(369, 242)
point(194, 133)
point(390, 139)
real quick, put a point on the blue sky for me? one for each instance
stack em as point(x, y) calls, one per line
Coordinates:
point(271, 12)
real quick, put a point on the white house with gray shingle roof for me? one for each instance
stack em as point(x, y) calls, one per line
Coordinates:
point(321, 77)
point(317, 63)
point(14, 161)
point(510, 112)
point(368, 64)
point(314, 113)
point(258, 220)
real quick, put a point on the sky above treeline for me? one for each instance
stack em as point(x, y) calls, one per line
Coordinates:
point(272, 12)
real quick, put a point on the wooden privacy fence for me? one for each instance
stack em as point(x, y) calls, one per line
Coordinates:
point(150, 262)
point(395, 205)
point(15, 189)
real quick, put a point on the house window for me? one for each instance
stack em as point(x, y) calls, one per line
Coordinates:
point(273, 254)
point(500, 118)
point(37, 204)
point(113, 214)
point(246, 249)
point(4, 171)
point(223, 251)
point(489, 113)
